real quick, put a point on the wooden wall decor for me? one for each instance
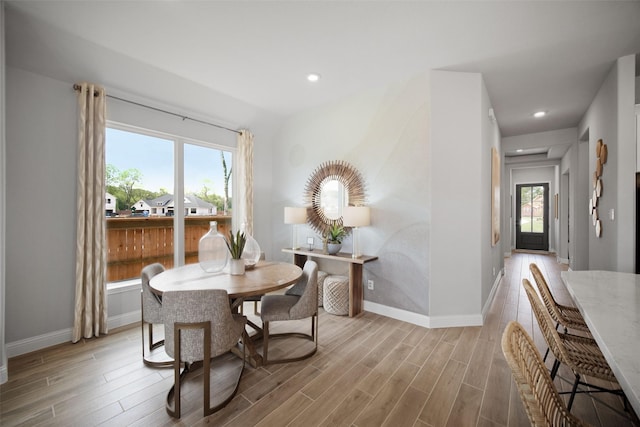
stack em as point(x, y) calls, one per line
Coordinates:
point(344, 173)
point(601, 159)
point(495, 196)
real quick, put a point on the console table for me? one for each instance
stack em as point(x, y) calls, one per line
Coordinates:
point(356, 289)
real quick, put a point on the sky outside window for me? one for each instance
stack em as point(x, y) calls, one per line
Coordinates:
point(153, 157)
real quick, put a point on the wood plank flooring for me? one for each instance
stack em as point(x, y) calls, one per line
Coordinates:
point(369, 371)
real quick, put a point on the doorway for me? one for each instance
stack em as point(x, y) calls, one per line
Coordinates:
point(532, 219)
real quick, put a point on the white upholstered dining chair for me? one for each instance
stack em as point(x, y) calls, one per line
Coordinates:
point(199, 327)
point(299, 302)
point(153, 353)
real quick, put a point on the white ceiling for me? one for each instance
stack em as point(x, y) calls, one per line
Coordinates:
point(536, 55)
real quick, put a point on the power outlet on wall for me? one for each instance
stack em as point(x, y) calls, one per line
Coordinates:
point(370, 284)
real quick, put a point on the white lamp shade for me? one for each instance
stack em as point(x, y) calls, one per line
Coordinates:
point(356, 216)
point(295, 215)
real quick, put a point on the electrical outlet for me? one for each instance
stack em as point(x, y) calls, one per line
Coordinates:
point(370, 284)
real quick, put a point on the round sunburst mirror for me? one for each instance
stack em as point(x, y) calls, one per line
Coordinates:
point(332, 186)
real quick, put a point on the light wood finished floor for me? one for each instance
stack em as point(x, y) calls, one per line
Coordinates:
point(368, 371)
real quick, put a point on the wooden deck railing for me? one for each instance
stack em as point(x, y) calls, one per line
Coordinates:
point(134, 242)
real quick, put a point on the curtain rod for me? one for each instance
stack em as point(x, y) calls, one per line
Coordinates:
point(76, 87)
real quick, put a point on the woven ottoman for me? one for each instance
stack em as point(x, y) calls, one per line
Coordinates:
point(321, 276)
point(336, 295)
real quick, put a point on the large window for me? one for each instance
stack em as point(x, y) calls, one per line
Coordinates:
point(162, 192)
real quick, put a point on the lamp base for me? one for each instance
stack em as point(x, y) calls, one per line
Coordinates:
point(356, 243)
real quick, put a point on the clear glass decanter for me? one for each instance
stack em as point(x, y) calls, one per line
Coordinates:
point(212, 250)
point(251, 253)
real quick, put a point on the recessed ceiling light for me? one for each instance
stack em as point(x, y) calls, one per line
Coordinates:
point(313, 77)
point(539, 114)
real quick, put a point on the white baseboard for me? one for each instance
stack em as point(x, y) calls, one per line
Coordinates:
point(4, 374)
point(39, 342)
point(421, 319)
point(397, 313)
point(456, 321)
point(562, 260)
point(124, 319)
point(492, 294)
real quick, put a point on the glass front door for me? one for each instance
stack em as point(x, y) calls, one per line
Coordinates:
point(532, 222)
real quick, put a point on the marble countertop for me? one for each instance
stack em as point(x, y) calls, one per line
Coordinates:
point(610, 304)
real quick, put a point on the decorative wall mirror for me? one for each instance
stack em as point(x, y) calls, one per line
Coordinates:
point(332, 186)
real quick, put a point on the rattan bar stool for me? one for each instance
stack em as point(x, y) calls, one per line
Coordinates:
point(568, 317)
point(581, 354)
point(541, 400)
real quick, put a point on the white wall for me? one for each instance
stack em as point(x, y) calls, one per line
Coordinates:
point(431, 201)
point(611, 118)
point(492, 258)
point(563, 250)
point(637, 134)
point(41, 167)
point(384, 134)
point(574, 165)
point(626, 189)
point(583, 221)
point(4, 374)
point(460, 168)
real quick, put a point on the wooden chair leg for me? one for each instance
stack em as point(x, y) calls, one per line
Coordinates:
point(313, 336)
point(179, 376)
point(176, 375)
point(206, 408)
point(265, 342)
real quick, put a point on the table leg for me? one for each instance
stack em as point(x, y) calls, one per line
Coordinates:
point(299, 260)
point(252, 356)
point(356, 292)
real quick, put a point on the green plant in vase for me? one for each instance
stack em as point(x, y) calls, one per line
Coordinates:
point(335, 234)
point(235, 244)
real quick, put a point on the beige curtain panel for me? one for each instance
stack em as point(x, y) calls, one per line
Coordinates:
point(90, 317)
point(244, 175)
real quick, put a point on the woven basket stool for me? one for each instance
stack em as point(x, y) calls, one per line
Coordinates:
point(336, 295)
point(321, 276)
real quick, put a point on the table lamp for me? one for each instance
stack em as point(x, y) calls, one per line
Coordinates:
point(295, 216)
point(356, 216)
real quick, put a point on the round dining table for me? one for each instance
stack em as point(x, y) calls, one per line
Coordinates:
point(265, 277)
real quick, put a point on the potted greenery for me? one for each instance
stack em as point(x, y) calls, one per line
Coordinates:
point(335, 234)
point(235, 244)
